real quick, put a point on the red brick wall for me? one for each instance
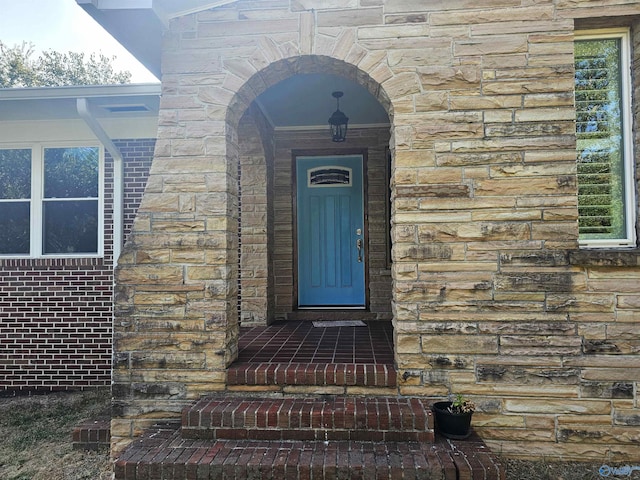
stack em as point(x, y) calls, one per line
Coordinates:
point(138, 155)
point(56, 314)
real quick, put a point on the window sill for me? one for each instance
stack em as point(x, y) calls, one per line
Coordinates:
point(605, 257)
point(50, 261)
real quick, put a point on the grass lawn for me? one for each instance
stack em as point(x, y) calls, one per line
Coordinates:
point(35, 437)
point(35, 443)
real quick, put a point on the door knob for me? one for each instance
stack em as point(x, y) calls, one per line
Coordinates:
point(359, 247)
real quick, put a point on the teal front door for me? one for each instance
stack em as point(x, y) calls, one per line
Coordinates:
point(330, 232)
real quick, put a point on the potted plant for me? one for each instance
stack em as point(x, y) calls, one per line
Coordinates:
point(453, 418)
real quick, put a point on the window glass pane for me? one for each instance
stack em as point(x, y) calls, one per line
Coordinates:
point(329, 176)
point(71, 172)
point(15, 173)
point(599, 132)
point(14, 228)
point(70, 227)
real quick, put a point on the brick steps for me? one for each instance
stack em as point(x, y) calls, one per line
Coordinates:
point(313, 374)
point(92, 435)
point(374, 419)
point(306, 421)
point(163, 453)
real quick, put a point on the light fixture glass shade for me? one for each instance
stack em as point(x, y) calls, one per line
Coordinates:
point(338, 121)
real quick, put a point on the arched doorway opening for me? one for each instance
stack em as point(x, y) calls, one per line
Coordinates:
point(300, 230)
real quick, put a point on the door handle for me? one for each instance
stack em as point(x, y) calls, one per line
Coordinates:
point(359, 247)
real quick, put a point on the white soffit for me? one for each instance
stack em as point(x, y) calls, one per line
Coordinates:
point(179, 8)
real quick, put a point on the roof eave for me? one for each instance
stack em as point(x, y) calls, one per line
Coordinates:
point(139, 24)
point(133, 23)
point(85, 91)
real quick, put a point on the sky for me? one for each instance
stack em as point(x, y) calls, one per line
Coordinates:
point(63, 26)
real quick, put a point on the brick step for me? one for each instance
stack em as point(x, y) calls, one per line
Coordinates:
point(379, 419)
point(92, 435)
point(163, 453)
point(307, 374)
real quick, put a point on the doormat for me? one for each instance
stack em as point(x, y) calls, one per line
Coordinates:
point(338, 323)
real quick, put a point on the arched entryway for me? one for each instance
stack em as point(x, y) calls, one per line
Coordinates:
point(272, 144)
point(220, 189)
point(297, 237)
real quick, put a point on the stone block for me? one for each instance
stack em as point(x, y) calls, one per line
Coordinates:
point(521, 87)
point(599, 435)
point(430, 101)
point(540, 345)
point(538, 281)
point(490, 16)
point(160, 202)
point(603, 389)
point(485, 102)
point(424, 390)
point(629, 417)
point(539, 327)
point(547, 422)
point(152, 256)
point(511, 215)
point(556, 407)
point(443, 190)
point(494, 45)
point(527, 376)
point(482, 420)
point(463, 77)
point(168, 298)
point(525, 186)
point(463, 344)
point(497, 117)
point(187, 148)
point(611, 374)
point(507, 434)
point(412, 159)
point(523, 392)
point(408, 344)
point(580, 302)
point(536, 450)
point(177, 226)
point(149, 274)
point(402, 84)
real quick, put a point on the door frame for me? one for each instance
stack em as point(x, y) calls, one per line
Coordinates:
point(365, 204)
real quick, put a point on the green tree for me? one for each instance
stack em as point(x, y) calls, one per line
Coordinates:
point(20, 68)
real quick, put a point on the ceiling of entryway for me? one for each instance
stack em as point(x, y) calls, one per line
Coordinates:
point(305, 101)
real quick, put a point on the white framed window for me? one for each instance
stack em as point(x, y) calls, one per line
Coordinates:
point(606, 192)
point(51, 201)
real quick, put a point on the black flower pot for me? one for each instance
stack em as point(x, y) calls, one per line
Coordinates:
point(452, 425)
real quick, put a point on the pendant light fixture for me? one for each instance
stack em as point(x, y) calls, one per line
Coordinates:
point(338, 121)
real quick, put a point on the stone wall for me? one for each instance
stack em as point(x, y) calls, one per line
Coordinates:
point(491, 296)
point(256, 220)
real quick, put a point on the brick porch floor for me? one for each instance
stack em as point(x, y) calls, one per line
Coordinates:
point(333, 360)
point(301, 342)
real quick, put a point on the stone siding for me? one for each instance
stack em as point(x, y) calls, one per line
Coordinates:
point(491, 296)
point(255, 293)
